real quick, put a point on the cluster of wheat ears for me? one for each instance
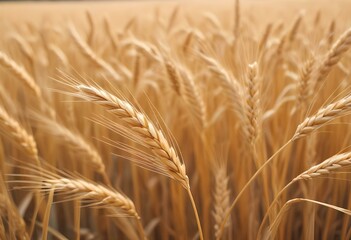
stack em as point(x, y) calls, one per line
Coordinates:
point(247, 121)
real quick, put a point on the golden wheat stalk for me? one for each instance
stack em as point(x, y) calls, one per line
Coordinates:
point(20, 73)
point(309, 125)
point(264, 39)
point(73, 188)
point(237, 18)
point(193, 98)
point(304, 84)
point(295, 27)
point(9, 211)
point(252, 104)
point(287, 206)
point(167, 161)
point(184, 85)
point(72, 139)
point(173, 76)
point(328, 166)
point(221, 197)
point(334, 55)
point(91, 55)
point(231, 87)
point(142, 126)
point(323, 116)
point(15, 131)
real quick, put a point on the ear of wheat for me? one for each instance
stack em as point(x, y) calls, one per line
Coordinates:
point(20, 73)
point(323, 116)
point(167, 162)
point(20, 136)
point(334, 55)
point(221, 197)
point(72, 139)
point(73, 188)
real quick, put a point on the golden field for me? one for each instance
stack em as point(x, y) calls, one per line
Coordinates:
point(175, 120)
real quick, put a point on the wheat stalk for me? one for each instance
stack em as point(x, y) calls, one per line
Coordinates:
point(334, 55)
point(323, 116)
point(287, 206)
point(19, 135)
point(142, 126)
point(231, 87)
point(328, 166)
point(310, 124)
point(185, 87)
point(167, 161)
point(73, 188)
point(91, 55)
point(72, 139)
point(82, 189)
point(8, 209)
point(237, 18)
point(304, 83)
point(194, 98)
point(221, 197)
point(265, 37)
point(173, 76)
point(295, 27)
point(252, 104)
point(20, 73)
point(331, 33)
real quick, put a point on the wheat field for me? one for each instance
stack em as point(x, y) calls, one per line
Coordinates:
point(175, 120)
